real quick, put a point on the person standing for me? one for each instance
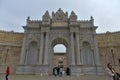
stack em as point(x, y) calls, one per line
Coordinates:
point(7, 72)
point(55, 71)
point(60, 71)
point(110, 73)
point(68, 71)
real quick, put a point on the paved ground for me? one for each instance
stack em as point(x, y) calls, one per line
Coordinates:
point(38, 77)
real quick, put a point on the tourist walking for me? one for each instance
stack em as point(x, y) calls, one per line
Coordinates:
point(7, 72)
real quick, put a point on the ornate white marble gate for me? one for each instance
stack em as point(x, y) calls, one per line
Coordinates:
point(41, 36)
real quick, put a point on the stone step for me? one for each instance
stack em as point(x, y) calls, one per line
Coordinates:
point(38, 77)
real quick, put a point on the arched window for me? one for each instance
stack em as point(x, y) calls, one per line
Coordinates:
point(87, 54)
point(32, 54)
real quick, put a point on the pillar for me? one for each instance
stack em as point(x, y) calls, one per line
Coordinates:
point(23, 52)
point(78, 49)
point(72, 50)
point(41, 48)
point(96, 54)
point(46, 48)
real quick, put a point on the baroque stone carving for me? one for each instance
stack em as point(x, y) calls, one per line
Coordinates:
point(56, 30)
point(59, 16)
point(46, 17)
point(73, 17)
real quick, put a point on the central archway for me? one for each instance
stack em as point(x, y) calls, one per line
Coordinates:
point(59, 58)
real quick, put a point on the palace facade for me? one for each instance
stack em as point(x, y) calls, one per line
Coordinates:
point(32, 52)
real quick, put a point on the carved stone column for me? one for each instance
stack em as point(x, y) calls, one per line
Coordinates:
point(23, 52)
point(72, 50)
point(41, 48)
point(96, 54)
point(46, 48)
point(78, 49)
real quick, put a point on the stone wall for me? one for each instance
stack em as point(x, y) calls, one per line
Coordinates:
point(11, 42)
point(10, 48)
point(109, 48)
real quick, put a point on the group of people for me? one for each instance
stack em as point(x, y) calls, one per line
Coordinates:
point(111, 74)
point(58, 71)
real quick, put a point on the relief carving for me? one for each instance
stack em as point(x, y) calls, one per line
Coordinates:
point(73, 17)
point(46, 17)
point(59, 16)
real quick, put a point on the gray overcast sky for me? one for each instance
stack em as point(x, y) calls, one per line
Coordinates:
point(13, 13)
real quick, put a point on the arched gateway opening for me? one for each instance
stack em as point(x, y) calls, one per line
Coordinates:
point(59, 53)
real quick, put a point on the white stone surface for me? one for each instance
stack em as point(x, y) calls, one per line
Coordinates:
point(60, 29)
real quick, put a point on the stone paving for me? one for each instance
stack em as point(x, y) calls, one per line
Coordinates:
point(38, 77)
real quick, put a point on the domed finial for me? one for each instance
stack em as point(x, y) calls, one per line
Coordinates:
point(59, 9)
point(73, 12)
point(53, 13)
point(28, 18)
point(47, 12)
point(66, 14)
point(91, 18)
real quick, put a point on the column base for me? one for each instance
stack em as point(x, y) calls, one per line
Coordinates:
point(33, 69)
point(84, 69)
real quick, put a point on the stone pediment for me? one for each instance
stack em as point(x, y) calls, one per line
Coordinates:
point(59, 18)
point(73, 17)
point(46, 18)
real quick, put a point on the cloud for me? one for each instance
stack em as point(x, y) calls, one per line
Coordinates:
point(105, 12)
